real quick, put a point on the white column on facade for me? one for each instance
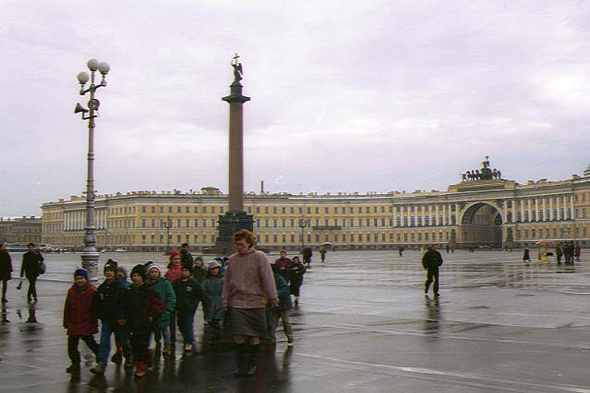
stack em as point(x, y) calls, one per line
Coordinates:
point(505, 212)
point(457, 214)
point(449, 212)
point(537, 209)
point(551, 208)
point(529, 209)
point(544, 210)
point(444, 214)
point(436, 215)
point(558, 209)
point(429, 215)
point(422, 213)
point(521, 210)
point(394, 215)
point(572, 207)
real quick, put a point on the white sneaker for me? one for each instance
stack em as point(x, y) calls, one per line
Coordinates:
point(187, 347)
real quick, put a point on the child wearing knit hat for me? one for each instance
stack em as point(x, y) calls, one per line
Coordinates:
point(189, 292)
point(80, 318)
point(165, 291)
point(110, 302)
point(143, 310)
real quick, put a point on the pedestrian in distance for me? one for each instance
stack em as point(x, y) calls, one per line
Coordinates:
point(323, 253)
point(295, 273)
point(111, 309)
point(31, 268)
point(283, 263)
point(189, 292)
point(526, 256)
point(577, 252)
point(431, 261)
point(5, 270)
point(307, 256)
point(282, 311)
point(249, 285)
point(185, 254)
point(213, 286)
point(144, 308)
point(558, 253)
point(400, 249)
point(79, 318)
point(165, 292)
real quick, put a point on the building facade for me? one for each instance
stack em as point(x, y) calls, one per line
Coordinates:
point(480, 212)
point(20, 231)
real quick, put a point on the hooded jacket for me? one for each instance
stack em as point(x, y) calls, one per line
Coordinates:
point(165, 292)
point(144, 308)
point(79, 313)
point(249, 281)
point(110, 300)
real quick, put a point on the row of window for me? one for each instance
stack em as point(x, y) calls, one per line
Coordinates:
point(541, 233)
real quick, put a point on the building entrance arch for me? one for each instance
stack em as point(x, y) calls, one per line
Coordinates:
point(481, 225)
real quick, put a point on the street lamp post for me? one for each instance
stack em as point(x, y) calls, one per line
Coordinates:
point(168, 225)
point(302, 224)
point(90, 255)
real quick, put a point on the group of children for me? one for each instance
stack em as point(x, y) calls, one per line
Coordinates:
point(152, 305)
point(136, 311)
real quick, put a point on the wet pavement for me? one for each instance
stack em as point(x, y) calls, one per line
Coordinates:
point(363, 325)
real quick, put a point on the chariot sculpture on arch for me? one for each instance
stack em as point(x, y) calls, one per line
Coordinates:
point(486, 172)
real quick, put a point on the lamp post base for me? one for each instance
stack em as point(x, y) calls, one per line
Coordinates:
point(90, 263)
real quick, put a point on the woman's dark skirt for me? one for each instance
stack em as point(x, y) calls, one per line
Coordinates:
point(248, 322)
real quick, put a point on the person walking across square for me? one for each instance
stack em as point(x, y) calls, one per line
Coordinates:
point(79, 318)
point(431, 261)
point(249, 285)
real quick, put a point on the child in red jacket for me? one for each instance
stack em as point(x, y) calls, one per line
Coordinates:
point(80, 318)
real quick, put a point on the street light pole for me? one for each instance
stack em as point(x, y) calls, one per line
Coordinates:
point(168, 225)
point(90, 255)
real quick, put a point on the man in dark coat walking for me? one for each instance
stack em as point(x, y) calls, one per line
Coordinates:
point(31, 268)
point(5, 270)
point(431, 262)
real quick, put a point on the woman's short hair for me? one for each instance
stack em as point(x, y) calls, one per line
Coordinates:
point(246, 235)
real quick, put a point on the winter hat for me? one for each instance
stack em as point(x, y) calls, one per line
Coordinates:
point(139, 269)
point(173, 254)
point(148, 265)
point(81, 272)
point(151, 266)
point(188, 267)
point(213, 265)
point(122, 269)
point(110, 265)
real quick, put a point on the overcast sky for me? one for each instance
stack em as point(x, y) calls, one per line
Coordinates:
point(346, 95)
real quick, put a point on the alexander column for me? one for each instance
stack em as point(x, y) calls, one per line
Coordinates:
point(236, 218)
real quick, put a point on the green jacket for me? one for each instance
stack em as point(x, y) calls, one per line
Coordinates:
point(165, 291)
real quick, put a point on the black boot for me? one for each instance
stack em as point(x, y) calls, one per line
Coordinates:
point(74, 368)
point(253, 358)
point(242, 359)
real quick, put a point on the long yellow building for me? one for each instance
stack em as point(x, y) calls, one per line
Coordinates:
point(494, 212)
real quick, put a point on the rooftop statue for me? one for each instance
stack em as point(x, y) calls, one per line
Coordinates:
point(486, 172)
point(238, 72)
